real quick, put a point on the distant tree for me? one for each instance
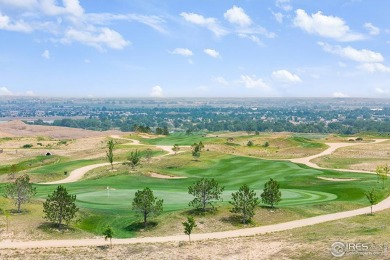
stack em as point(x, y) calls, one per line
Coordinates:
point(110, 152)
point(189, 225)
point(189, 132)
point(175, 148)
point(20, 191)
point(382, 173)
point(146, 204)
point(134, 159)
point(148, 154)
point(205, 191)
point(271, 194)
point(371, 197)
point(165, 130)
point(13, 170)
point(250, 143)
point(60, 206)
point(159, 131)
point(196, 149)
point(266, 144)
point(108, 233)
point(244, 202)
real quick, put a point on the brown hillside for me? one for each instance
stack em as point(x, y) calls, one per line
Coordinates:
point(18, 128)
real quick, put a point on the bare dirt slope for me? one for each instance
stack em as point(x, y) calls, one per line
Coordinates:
point(18, 128)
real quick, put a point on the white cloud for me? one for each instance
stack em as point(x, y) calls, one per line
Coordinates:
point(153, 21)
point(182, 51)
point(374, 67)
point(382, 91)
point(5, 92)
point(104, 37)
point(157, 91)
point(278, 17)
point(221, 80)
point(30, 93)
point(212, 53)
point(286, 76)
point(253, 83)
point(70, 7)
point(46, 54)
point(236, 15)
point(284, 4)
point(17, 26)
point(27, 4)
point(348, 52)
point(325, 26)
point(339, 95)
point(373, 30)
point(210, 23)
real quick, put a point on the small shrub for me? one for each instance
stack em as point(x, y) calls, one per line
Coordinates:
point(27, 146)
point(250, 143)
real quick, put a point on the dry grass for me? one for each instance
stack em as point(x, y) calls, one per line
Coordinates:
point(359, 157)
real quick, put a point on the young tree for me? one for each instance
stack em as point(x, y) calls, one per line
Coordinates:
point(271, 194)
point(146, 204)
point(165, 130)
point(60, 206)
point(108, 233)
point(244, 202)
point(175, 148)
point(382, 173)
point(250, 143)
point(110, 152)
point(205, 191)
point(134, 159)
point(20, 191)
point(189, 225)
point(148, 154)
point(371, 197)
point(13, 171)
point(196, 149)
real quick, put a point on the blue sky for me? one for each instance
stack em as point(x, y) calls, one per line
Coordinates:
point(181, 48)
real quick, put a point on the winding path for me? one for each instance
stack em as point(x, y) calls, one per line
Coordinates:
point(385, 204)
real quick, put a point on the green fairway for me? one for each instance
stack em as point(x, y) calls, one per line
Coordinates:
point(178, 138)
point(299, 185)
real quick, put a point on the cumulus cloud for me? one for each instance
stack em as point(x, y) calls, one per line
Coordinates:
point(375, 67)
point(373, 30)
point(278, 17)
point(284, 4)
point(5, 92)
point(339, 95)
point(104, 37)
point(382, 91)
point(157, 91)
point(71, 7)
point(209, 23)
point(30, 93)
point(17, 26)
point(27, 4)
point(182, 51)
point(348, 52)
point(325, 26)
point(221, 80)
point(46, 54)
point(236, 15)
point(253, 82)
point(286, 76)
point(212, 53)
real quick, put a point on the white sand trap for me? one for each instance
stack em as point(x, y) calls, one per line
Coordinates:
point(161, 176)
point(335, 179)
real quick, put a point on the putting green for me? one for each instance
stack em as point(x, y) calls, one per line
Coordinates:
point(121, 199)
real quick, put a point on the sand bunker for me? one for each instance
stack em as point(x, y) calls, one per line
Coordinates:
point(161, 176)
point(335, 179)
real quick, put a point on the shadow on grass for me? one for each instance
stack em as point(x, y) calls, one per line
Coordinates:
point(236, 220)
point(50, 227)
point(200, 212)
point(139, 226)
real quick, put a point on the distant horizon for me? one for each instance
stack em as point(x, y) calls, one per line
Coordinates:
point(182, 48)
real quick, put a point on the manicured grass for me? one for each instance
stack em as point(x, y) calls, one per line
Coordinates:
point(300, 187)
point(178, 138)
point(34, 162)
